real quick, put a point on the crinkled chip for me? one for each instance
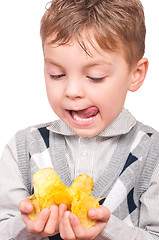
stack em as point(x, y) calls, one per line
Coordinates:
point(47, 202)
point(45, 177)
point(81, 208)
point(63, 197)
point(49, 190)
point(83, 183)
point(33, 216)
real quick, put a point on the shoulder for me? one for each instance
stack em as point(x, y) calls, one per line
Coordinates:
point(34, 127)
point(35, 136)
point(24, 133)
point(144, 134)
point(145, 141)
point(145, 128)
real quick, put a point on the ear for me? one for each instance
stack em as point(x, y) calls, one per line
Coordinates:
point(138, 74)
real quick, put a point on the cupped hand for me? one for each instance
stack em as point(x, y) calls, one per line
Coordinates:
point(71, 229)
point(47, 223)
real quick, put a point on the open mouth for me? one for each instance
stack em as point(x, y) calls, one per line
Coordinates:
point(84, 115)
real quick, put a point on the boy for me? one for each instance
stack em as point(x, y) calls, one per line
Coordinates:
point(93, 55)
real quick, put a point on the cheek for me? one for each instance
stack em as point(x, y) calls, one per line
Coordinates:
point(52, 94)
point(111, 98)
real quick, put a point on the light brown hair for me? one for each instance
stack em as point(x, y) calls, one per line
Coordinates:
point(115, 24)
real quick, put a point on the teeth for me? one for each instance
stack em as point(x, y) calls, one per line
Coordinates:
point(76, 117)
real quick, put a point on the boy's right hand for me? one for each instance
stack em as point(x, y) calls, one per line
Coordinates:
point(47, 223)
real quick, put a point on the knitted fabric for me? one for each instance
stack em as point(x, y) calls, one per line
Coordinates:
point(122, 183)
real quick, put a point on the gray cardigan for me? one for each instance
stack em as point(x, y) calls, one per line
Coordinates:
point(130, 168)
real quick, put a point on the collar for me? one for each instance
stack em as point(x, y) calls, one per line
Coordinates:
point(121, 125)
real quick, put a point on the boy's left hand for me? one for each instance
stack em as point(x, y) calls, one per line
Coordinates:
point(71, 228)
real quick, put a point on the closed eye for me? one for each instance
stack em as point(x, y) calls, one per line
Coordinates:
point(59, 76)
point(94, 79)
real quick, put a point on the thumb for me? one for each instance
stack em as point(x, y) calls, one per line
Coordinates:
point(100, 214)
point(25, 206)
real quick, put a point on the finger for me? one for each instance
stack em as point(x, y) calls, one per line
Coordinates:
point(65, 228)
point(25, 206)
point(100, 214)
point(62, 210)
point(26, 219)
point(51, 226)
point(79, 231)
point(38, 225)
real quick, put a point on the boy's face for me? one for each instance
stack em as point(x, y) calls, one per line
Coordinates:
point(86, 92)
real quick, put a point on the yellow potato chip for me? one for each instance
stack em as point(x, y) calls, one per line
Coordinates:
point(83, 183)
point(78, 196)
point(81, 209)
point(46, 181)
point(33, 216)
point(50, 187)
point(47, 202)
point(44, 176)
point(63, 197)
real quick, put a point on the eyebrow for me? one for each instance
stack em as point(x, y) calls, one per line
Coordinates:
point(89, 65)
point(96, 63)
point(48, 60)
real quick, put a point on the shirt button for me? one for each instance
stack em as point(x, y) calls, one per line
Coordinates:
point(84, 154)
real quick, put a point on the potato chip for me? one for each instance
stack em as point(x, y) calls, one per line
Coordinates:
point(45, 176)
point(63, 197)
point(49, 187)
point(81, 209)
point(78, 196)
point(47, 202)
point(33, 216)
point(49, 190)
point(46, 181)
point(83, 183)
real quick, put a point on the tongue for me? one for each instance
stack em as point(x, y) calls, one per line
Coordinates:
point(88, 112)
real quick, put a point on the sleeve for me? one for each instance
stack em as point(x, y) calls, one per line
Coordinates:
point(149, 218)
point(12, 191)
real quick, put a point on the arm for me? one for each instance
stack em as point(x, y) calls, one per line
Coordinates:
point(149, 218)
point(14, 221)
point(12, 192)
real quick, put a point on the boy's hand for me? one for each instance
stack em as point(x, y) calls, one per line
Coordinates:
point(47, 223)
point(71, 228)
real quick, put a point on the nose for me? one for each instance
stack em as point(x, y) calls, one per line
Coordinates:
point(74, 89)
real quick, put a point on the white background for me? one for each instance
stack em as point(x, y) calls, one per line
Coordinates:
point(23, 100)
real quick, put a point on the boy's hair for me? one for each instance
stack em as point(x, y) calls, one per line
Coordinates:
point(114, 24)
